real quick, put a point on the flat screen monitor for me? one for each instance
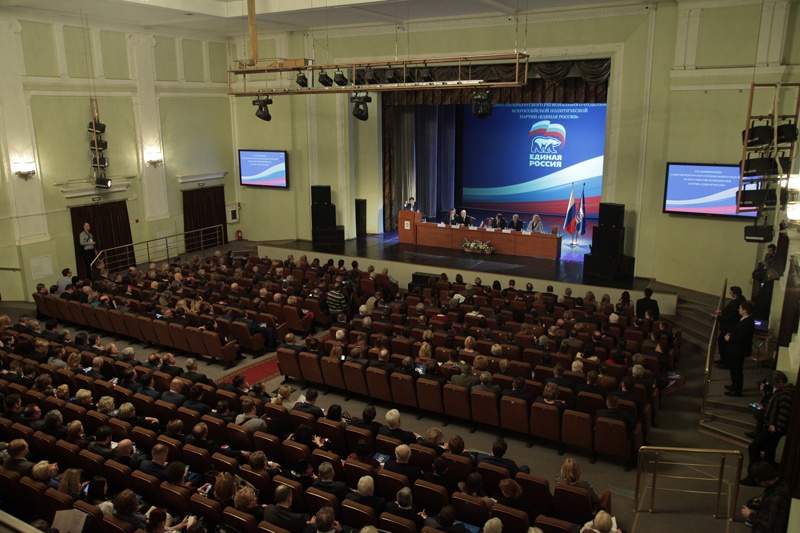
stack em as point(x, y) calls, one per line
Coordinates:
point(264, 168)
point(702, 189)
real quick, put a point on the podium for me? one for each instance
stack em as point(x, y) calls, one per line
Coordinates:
point(407, 226)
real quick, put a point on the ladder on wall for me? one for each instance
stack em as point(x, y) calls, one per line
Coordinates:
point(769, 145)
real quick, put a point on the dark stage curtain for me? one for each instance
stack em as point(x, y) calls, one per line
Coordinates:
point(419, 127)
point(111, 228)
point(203, 208)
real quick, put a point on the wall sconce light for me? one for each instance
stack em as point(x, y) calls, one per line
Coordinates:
point(25, 169)
point(154, 158)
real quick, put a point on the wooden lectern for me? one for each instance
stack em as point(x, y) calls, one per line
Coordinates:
point(407, 226)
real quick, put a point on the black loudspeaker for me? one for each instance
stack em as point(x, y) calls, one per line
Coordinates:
point(323, 216)
point(320, 194)
point(361, 218)
point(608, 241)
point(328, 238)
point(600, 268)
point(612, 215)
point(424, 279)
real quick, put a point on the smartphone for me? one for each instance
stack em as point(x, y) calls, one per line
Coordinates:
point(114, 381)
point(85, 489)
point(342, 357)
point(756, 406)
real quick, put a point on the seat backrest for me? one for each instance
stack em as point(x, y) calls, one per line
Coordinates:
point(112, 524)
point(484, 408)
point(537, 490)
point(458, 466)
point(353, 434)
point(514, 520)
point(611, 438)
point(492, 476)
point(422, 456)
point(396, 524)
point(429, 396)
point(403, 389)
point(334, 432)
point(378, 384)
point(310, 368)
point(456, 401)
point(241, 521)
point(572, 503)
point(175, 498)
point(435, 496)
point(576, 429)
point(514, 414)
point(357, 515)
point(118, 476)
point(355, 378)
point(316, 499)
point(553, 525)
point(355, 470)
point(146, 486)
point(545, 422)
point(469, 509)
point(389, 483)
point(294, 451)
point(298, 498)
point(298, 418)
point(320, 456)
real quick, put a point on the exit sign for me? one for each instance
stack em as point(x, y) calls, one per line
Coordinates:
point(96, 198)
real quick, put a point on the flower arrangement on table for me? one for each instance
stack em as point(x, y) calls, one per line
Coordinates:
point(477, 247)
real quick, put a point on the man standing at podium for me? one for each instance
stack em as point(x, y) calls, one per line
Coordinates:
point(411, 205)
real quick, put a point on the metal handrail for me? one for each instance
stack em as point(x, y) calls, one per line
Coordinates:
point(712, 347)
point(161, 248)
point(719, 479)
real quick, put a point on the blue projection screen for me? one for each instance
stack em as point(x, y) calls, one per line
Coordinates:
point(702, 189)
point(526, 158)
point(263, 168)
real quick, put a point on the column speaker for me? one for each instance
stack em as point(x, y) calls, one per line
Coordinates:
point(612, 215)
point(320, 194)
point(600, 268)
point(361, 218)
point(323, 216)
point(608, 241)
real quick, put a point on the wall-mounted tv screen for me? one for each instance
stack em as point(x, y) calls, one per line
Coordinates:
point(702, 189)
point(264, 168)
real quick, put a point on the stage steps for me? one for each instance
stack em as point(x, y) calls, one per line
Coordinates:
point(691, 313)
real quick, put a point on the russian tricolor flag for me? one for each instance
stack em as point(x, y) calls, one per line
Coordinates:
point(571, 220)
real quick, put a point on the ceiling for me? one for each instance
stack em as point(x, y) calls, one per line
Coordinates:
point(228, 17)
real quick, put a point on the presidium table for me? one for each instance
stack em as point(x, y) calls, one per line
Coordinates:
point(412, 230)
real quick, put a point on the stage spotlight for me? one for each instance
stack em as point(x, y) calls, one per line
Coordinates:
point(324, 79)
point(339, 78)
point(102, 182)
point(392, 76)
point(427, 75)
point(99, 162)
point(98, 144)
point(360, 109)
point(481, 104)
point(301, 80)
point(370, 77)
point(263, 111)
point(96, 127)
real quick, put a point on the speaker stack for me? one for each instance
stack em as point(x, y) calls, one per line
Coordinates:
point(324, 231)
point(361, 218)
point(607, 261)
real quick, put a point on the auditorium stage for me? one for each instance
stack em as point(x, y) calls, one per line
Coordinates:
point(386, 247)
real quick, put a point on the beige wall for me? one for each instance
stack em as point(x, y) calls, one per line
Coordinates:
point(678, 92)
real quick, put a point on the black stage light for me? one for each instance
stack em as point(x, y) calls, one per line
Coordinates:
point(339, 78)
point(99, 162)
point(96, 127)
point(360, 109)
point(481, 104)
point(98, 144)
point(427, 75)
point(263, 111)
point(370, 76)
point(324, 79)
point(102, 181)
point(301, 80)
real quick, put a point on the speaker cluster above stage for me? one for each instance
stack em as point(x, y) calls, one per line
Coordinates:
point(607, 261)
point(324, 231)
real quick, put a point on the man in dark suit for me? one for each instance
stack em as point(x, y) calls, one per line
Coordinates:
point(326, 483)
point(558, 377)
point(175, 394)
point(22, 325)
point(156, 465)
point(727, 317)
point(97, 369)
point(309, 406)
point(367, 421)
point(383, 362)
point(289, 343)
point(499, 448)
point(627, 393)
point(199, 438)
point(466, 219)
point(392, 428)
point(516, 223)
point(281, 514)
point(453, 218)
point(168, 365)
point(591, 385)
point(485, 385)
point(404, 507)
point(193, 375)
point(437, 476)
point(518, 391)
point(401, 465)
point(465, 378)
point(647, 304)
point(50, 332)
point(740, 347)
point(411, 205)
point(102, 443)
point(613, 411)
point(17, 457)
point(195, 401)
point(432, 372)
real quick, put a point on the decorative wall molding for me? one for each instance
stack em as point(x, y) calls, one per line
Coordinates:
point(94, 191)
point(207, 176)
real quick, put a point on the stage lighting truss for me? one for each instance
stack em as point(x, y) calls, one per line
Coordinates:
point(398, 75)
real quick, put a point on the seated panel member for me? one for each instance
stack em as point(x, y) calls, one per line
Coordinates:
point(453, 218)
point(466, 219)
point(536, 225)
point(515, 224)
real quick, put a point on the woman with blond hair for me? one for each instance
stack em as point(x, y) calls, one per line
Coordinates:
point(433, 440)
point(71, 483)
point(246, 502)
point(571, 475)
point(602, 523)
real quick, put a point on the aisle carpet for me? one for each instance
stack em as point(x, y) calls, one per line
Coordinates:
point(259, 371)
